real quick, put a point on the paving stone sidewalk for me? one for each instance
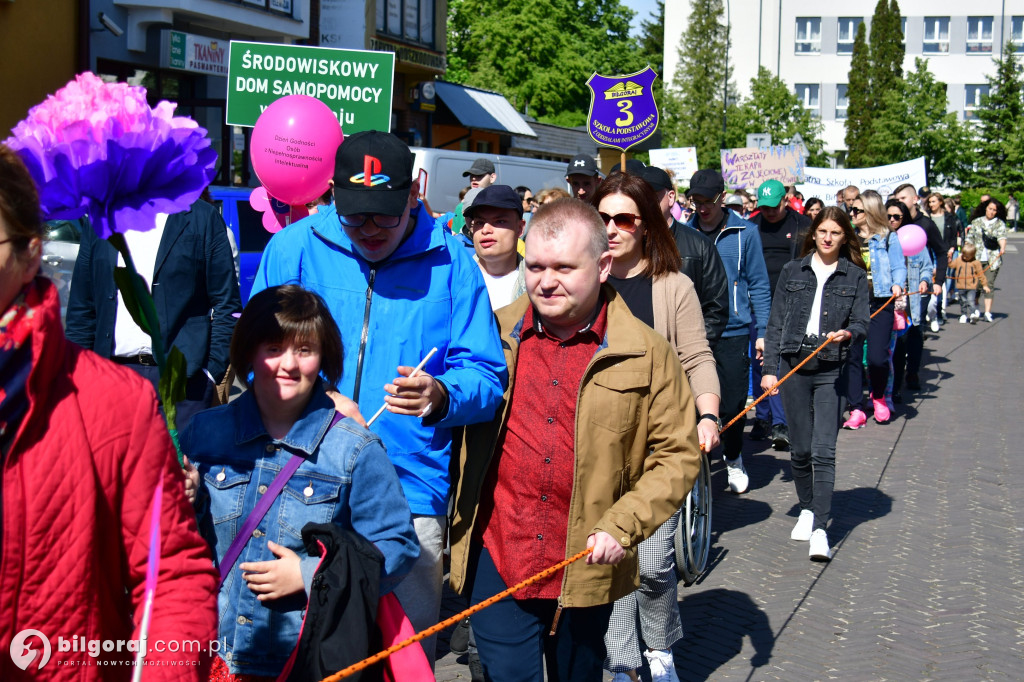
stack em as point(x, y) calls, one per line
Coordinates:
point(927, 582)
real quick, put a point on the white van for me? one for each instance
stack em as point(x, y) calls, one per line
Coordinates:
point(444, 169)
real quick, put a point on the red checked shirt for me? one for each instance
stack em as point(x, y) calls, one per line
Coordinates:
point(524, 509)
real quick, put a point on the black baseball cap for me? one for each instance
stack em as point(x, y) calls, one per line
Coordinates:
point(480, 167)
point(495, 196)
point(389, 163)
point(657, 178)
point(706, 182)
point(582, 164)
point(633, 167)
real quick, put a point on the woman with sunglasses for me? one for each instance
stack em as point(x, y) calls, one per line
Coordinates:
point(906, 354)
point(887, 273)
point(824, 295)
point(645, 273)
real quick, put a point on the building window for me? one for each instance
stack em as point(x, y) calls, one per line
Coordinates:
point(936, 35)
point(903, 32)
point(1017, 33)
point(979, 35)
point(973, 94)
point(847, 33)
point(282, 6)
point(807, 93)
point(808, 35)
point(408, 20)
point(842, 101)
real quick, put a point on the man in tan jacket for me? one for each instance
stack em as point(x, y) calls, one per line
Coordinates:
point(595, 446)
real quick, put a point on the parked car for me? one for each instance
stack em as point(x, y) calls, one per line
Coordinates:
point(246, 225)
point(60, 251)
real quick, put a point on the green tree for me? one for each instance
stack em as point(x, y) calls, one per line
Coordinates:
point(858, 95)
point(1001, 126)
point(913, 122)
point(651, 40)
point(540, 53)
point(773, 108)
point(887, 51)
point(694, 116)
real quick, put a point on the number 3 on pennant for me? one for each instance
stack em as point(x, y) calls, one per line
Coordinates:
point(625, 105)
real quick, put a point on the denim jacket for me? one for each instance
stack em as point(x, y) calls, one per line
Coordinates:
point(919, 269)
point(887, 265)
point(347, 478)
point(844, 305)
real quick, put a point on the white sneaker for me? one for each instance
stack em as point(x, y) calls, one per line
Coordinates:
point(804, 526)
point(663, 667)
point(976, 314)
point(963, 319)
point(988, 317)
point(819, 550)
point(738, 479)
point(934, 325)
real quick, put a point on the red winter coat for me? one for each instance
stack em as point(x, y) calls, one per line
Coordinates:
point(77, 489)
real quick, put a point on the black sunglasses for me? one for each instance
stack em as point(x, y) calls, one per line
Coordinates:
point(386, 222)
point(856, 211)
point(623, 221)
point(895, 216)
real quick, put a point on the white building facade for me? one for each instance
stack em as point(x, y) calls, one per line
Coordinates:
point(809, 43)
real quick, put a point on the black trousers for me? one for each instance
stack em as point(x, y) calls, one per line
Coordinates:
point(877, 342)
point(907, 356)
point(733, 362)
point(813, 402)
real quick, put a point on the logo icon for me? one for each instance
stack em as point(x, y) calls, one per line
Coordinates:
point(371, 174)
point(767, 191)
point(24, 653)
point(579, 163)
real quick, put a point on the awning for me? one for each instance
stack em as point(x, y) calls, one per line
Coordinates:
point(482, 110)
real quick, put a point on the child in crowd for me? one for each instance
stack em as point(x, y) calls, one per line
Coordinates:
point(969, 274)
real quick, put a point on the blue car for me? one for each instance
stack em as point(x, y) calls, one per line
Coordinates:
point(246, 224)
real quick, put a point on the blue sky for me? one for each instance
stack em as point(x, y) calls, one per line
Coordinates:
point(643, 9)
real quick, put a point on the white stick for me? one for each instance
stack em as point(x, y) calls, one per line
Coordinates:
point(414, 373)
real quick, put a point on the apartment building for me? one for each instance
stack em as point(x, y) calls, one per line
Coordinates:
point(809, 44)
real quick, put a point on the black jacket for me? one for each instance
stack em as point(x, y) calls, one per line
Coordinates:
point(703, 265)
point(936, 246)
point(195, 291)
point(795, 225)
point(844, 305)
point(340, 625)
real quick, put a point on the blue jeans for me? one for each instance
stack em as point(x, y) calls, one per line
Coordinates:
point(512, 636)
point(770, 409)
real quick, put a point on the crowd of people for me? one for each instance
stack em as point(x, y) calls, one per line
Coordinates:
point(549, 368)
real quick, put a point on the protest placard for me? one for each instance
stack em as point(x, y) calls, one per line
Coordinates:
point(682, 161)
point(747, 168)
point(355, 84)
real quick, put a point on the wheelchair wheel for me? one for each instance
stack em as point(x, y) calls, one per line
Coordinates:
point(693, 537)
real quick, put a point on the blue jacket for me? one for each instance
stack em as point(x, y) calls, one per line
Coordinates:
point(428, 293)
point(743, 258)
point(346, 478)
point(919, 269)
point(887, 266)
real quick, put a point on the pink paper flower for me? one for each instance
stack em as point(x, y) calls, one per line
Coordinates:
point(99, 149)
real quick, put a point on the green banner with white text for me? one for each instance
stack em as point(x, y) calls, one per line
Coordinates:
point(355, 84)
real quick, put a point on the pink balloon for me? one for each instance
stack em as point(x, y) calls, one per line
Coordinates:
point(912, 239)
point(293, 146)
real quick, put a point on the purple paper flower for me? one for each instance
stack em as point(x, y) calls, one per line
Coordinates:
point(98, 148)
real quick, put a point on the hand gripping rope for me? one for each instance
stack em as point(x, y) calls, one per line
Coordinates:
point(434, 629)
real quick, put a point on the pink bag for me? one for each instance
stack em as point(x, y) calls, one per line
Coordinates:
point(410, 664)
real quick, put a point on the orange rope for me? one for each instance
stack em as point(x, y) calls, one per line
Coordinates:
point(434, 629)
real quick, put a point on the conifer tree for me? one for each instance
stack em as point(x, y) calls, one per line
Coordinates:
point(858, 93)
point(1001, 126)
